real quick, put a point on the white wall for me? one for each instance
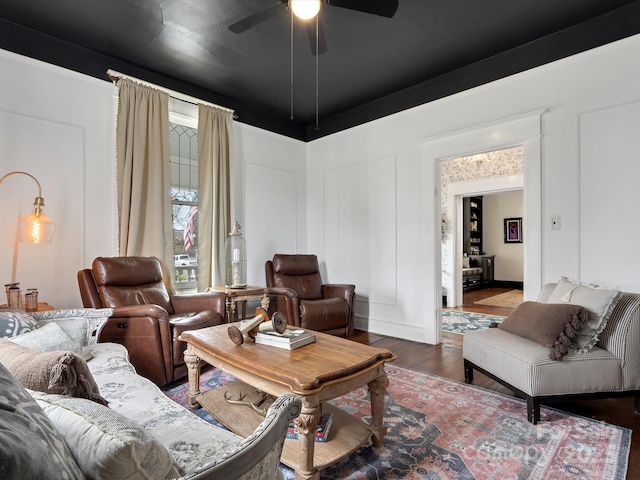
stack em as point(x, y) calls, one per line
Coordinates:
point(58, 126)
point(608, 191)
point(366, 200)
point(274, 192)
point(578, 95)
point(509, 261)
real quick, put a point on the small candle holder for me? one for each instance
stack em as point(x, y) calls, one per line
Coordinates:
point(31, 300)
point(14, 295)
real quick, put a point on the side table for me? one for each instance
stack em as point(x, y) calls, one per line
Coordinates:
point(42, 307)
point(233, 295)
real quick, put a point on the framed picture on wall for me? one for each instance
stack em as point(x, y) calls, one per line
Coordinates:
point(513, 230)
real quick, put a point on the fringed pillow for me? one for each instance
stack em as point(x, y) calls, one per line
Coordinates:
point(600, 301)
point(550, 325)
point(59, 372)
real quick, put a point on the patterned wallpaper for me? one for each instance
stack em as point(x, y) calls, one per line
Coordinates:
point(483, 165)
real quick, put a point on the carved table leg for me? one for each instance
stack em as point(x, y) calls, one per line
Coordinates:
point(306, 425)
point(231, 309)
point(193, 365)
point(377, 391)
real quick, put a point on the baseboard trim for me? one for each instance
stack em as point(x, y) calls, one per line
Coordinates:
point(507, 284)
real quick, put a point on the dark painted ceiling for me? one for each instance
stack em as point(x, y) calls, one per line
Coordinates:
point(373, 66)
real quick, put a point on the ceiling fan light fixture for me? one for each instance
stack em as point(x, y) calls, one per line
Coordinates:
point(305, 9)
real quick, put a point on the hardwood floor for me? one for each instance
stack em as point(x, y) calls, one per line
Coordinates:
point(445, 360)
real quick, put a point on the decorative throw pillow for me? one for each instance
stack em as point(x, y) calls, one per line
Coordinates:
point(105, 444)
point(49, 338)
point(15, 322)
point(550, 325)
point(598, 300)
point(31, 445)
point(52, 372)
point(82, 324)
point(465, 262)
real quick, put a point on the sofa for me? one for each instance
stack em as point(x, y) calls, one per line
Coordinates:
point(602, 358)
point(57, 431)
point(471, 271)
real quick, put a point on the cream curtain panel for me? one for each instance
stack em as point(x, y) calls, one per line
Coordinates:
point(144, 174)
point(214, 193)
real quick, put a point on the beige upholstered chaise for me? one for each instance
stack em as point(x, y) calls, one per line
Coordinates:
point(610, 369)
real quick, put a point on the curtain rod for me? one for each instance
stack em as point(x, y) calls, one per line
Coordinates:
point(113, 75)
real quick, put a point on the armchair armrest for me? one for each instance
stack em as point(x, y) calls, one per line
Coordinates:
point(346, 291)
point(198, 302)
point(134, 311)
point(339, 290)
point(181, 322)
point(621, 337)
point(144, 331)
point(285, 300)
point(194, 321)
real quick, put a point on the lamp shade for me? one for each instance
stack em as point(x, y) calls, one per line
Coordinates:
point(305, 9)
point(36, 228)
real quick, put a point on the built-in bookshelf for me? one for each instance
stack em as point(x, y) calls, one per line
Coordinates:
point(472, 218)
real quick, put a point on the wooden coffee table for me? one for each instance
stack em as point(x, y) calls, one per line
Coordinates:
point(317, 372)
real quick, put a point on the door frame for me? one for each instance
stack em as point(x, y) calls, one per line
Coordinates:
point(456, 192)
point(521, 130)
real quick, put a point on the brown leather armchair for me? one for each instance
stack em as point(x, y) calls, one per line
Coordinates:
point(296, 290)
point(146, 319)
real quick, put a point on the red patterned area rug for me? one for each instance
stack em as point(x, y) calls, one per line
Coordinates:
point(439, 429)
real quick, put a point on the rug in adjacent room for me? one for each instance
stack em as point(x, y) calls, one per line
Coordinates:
point(510, 299)
point(456, 321)
point(444, 430)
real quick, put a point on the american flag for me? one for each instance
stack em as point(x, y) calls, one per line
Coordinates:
point(188, 231)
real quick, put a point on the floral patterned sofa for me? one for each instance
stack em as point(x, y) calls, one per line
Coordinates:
point(141, 434)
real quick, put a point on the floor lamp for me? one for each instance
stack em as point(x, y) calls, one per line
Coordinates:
point(33, 228)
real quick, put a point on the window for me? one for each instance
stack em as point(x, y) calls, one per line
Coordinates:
point(184, 198)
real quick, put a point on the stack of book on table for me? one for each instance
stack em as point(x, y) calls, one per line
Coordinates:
point(290, 339)
point(322, 432)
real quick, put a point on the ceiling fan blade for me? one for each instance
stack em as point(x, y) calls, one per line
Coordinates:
point(256, 18)
point(383, 8)
point(311, 32)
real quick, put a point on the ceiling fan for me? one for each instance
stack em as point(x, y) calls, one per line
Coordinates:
point(383, 8)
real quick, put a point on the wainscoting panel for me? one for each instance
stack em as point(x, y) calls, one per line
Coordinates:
point(609, 149)
point(272, 223)
point(40, 147)
point(360, 228)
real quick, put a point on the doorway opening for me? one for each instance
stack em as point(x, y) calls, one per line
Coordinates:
point(480, 270)
point(523, 130)
point(498, 176)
